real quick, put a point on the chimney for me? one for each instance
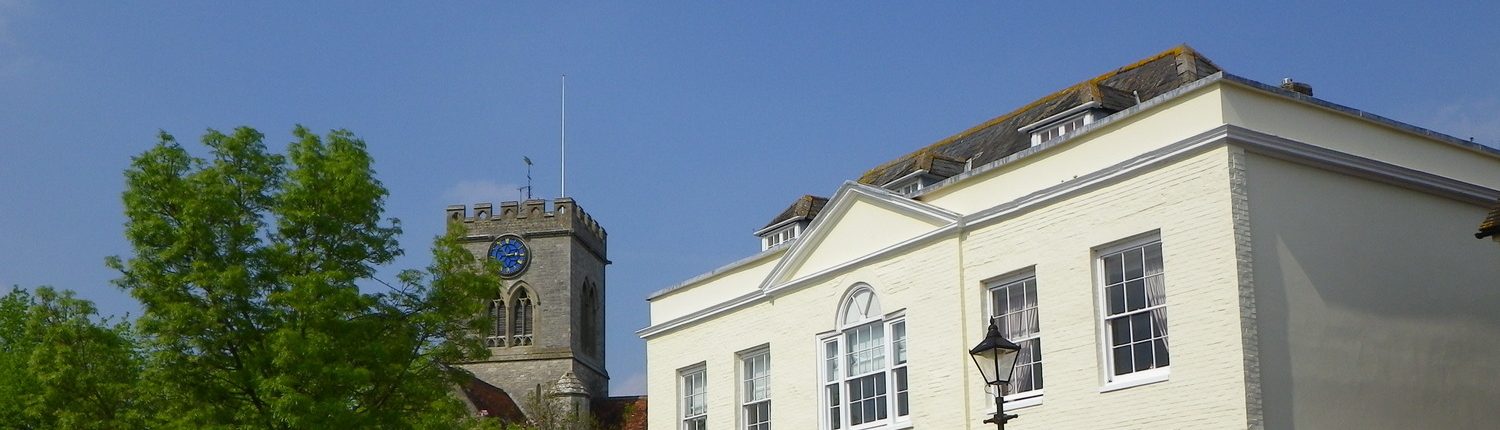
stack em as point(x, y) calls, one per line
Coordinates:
point(1296, 87)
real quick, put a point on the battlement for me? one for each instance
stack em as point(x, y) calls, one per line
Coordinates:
point(533, 214)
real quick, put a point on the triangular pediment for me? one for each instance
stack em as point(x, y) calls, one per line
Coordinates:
point(858, 221)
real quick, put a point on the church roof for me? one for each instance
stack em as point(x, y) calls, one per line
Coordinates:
point(491, 401)
point(806, 207)
point(1491, 224)
point(999, 137)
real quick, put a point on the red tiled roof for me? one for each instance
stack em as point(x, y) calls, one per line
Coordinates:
point(621, 413)
point(491, 401)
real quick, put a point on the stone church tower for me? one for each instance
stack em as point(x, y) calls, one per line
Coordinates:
point(547, 316)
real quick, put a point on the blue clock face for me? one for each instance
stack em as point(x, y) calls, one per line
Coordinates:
point(512, 254)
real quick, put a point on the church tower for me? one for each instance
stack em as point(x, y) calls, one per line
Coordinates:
point(546, 319)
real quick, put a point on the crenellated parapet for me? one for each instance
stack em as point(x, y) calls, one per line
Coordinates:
point(533, 215)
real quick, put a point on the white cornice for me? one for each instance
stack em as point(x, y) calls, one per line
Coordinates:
point(1252, 141)
point(840, 203)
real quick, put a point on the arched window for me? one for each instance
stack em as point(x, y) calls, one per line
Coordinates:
point(520, 332)
point(864, 365)
point(590, 319)
point(496, 337)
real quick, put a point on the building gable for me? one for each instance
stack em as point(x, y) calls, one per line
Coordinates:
point(860, 220)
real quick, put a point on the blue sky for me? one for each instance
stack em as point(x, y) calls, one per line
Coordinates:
point(690, 124)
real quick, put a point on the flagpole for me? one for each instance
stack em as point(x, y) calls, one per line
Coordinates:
point(564, 136)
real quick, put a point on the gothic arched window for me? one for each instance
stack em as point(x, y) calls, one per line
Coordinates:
point(590, 319)
point(520, 332)
point(496, 337)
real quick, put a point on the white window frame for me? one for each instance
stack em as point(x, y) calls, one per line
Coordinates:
point(780, 235)
point(888, 323)
point(1060, 128)
point(684, 376)
point(992, 286)
point(746, 396)
point(1111, 381)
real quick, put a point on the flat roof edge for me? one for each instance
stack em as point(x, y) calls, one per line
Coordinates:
point(1420, 131)
point(719, 271)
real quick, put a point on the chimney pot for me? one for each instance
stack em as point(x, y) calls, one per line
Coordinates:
point(1296, 87)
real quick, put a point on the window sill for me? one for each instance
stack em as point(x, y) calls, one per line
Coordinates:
point(904, 424)
point(1023, 401)
point(1137, 379)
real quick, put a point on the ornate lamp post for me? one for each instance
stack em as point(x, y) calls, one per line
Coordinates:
point(996, 358)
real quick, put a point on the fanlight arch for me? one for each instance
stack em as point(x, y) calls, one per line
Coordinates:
point(859, 306)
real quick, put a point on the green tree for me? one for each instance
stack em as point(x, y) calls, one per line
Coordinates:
point(61, 366)
point(249, 265)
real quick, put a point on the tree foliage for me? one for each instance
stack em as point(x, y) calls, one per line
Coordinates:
point(61, 366)
point(249, 267)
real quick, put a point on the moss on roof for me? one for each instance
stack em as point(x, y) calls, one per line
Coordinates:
point(806, 207)
point(998, 137)
point(1491, 224)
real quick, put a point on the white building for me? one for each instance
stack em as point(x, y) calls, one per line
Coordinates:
point(1174, 246)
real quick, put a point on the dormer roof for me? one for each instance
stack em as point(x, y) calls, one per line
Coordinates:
point(805, 208)
point(1491, 224)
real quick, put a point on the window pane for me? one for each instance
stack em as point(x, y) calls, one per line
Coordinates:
point(1135, 295)
point(1031, 293)
point(1140, 327)
point(1153, 258)
point(1133, 264)
point(866, 349)
point(1123, 364)
point(831, 357)
point(1036, 376)
point(867, 398)
point(1015, 298)
point(1119, 331)
point(758, 416)
point(898, 341)
point(1161, 353)
point(901, 392)
point(834, 402)
point(1142, 356)
point(1116, 299)
point(1113, 272)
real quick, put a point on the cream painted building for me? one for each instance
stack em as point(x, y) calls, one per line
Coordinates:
point(1174, 246)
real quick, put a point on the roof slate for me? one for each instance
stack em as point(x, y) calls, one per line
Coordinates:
point(806, 207)
point(997, 138)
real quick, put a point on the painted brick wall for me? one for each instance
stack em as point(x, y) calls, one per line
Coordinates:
point(939, 285)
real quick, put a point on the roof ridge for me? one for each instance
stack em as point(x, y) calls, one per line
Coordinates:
point(1091, 84)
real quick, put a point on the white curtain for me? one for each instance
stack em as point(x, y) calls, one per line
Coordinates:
point(1156, 290)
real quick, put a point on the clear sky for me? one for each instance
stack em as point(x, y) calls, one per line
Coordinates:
point(690, 124)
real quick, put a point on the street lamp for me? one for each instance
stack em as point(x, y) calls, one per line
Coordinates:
point(996, 358)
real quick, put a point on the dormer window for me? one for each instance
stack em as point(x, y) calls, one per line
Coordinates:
point(1064, 123)
point(1063, 128)
point(791, 222)
point(780, 235)
point(909, 188)
point(913, 182)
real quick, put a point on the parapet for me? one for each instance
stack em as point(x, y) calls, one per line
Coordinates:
point(530, 215)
